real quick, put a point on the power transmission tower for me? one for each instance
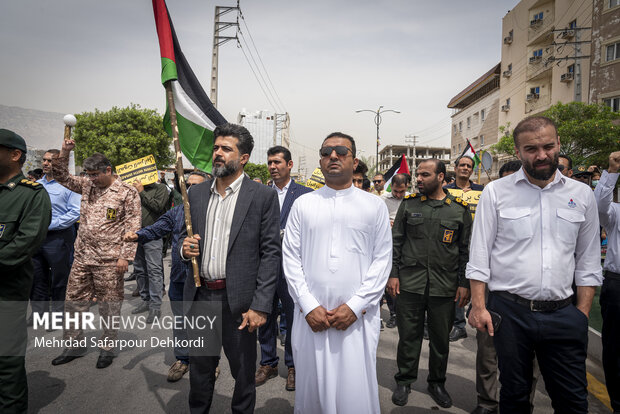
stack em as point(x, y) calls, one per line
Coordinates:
point(281, 122)
point(218, 40)
point(412, 140)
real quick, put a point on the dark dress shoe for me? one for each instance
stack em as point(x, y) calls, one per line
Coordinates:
point(391, 323)
point(143, 307)
point(440, 395)
point(401, 394)
point(153, 313)
point(457, 333)
point(69, 355)
point(105, 359)
point(482, 410)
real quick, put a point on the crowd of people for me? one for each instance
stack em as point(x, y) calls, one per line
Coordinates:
point(522, 265)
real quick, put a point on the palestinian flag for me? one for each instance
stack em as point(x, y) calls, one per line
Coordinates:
point(196, 115)
point(399, 167)
point(469, 152)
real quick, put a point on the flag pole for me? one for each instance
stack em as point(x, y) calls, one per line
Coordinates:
point(180, 173)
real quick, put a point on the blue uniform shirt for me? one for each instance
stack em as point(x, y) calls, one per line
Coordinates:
point(65, 204)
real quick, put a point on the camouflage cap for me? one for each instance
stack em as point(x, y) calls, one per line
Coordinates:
point(10, 139)
point(581, 170)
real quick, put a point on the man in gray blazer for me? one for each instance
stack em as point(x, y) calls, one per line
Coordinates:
point(237, 243)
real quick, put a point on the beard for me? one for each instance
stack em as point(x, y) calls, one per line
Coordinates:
point(229, 168)
point(542, 174)
point(429, 187)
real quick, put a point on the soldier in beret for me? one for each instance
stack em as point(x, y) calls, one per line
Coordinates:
point(25, 214)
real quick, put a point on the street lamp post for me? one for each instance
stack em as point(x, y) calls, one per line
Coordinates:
point(377, 113)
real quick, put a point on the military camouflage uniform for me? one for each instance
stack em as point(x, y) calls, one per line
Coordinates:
point(105, 215)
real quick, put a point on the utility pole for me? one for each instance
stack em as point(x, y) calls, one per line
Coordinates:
point(283, 120)
point(378, 113)
point(218, 40)
point(412, 140)
point(577, 57)
point(577, 93)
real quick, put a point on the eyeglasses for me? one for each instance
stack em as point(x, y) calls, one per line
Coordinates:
point(358, 180)
point(341, 151)
point(377, 181)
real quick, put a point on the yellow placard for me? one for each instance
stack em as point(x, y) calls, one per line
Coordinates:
point(143, 170)
point(471, 197)
point(317, 180)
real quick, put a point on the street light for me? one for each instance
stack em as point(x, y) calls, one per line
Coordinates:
point(377, 113)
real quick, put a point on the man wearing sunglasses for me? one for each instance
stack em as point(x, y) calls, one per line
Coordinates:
point(378, 183)
point(337, 254)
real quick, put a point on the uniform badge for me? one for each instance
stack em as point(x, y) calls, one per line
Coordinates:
point(447, 236)
point(572, 204)
point(111, 214)
point(2, 227)
point(416, 214)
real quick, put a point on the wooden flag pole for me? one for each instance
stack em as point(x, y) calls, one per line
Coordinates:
point(180, 173)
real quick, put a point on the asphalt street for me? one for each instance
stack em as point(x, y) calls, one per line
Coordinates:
point(136, 381)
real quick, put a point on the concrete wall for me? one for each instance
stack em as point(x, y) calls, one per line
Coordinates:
point(605, 76)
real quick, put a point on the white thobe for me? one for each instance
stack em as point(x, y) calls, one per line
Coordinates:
point(337, 249)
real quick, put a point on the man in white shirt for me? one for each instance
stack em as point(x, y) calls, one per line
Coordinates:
point(609, 214)
point(535, 232)
point(337, 254)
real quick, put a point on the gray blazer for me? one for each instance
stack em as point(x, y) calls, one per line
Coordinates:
point(254, 250)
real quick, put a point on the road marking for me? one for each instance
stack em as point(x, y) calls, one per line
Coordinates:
point(598, 389)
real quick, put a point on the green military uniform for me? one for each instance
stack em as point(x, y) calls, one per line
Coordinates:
point(431, 250)
point(25, 214)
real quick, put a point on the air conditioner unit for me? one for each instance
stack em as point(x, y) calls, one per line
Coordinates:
point(531, 96)
point(567, 77)
point(507, 73)
point(567, 34)
point(505, 108)
point(508, 40)
point(534, 59)
point(535, 22)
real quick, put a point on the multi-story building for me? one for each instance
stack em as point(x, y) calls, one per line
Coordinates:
point(475, 115)
point(542, 41)
point(605, 63)
point(391, 153)
point(267, 129)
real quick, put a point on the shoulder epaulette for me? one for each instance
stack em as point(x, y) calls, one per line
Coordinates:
point(413, 195)
point(31, 184)
point(462, 202)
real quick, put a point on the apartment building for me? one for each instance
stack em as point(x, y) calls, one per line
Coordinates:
point(267, 129)
point(391, 153)
point(475, 115)
point(605, 66)
point(542, 42)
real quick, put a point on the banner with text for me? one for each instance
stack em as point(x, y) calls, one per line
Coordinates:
point(471, 197)
point(143, 170)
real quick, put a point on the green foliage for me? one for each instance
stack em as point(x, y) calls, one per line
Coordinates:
point(587, 132)
point(258, 170)
point(122, 135)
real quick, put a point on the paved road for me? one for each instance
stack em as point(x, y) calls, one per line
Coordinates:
point(136, 381)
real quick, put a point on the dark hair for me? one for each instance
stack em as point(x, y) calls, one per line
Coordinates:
point(382, 176)
point(199, 173)
point(345, 136)
point(279, 149)
point(440, 167)
point(37, 173)
point(361, 168)
point(53, 151)
point(246, 142)
point(96, 162)
point(366, 184)
point(567, 158)
point(399, 179)
point(449, 177)
point(532, 124)
point(458, 160)
point(510, 167)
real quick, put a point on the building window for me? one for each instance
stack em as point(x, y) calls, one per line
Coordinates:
point(454, 128)
point(510, 65)
point(613, 103)
point(538, 53)
point(459, 148)
point(614, 3)
point(468, 122)
point(508, 102)
point(535, 90)
point(573, 24)
point(538, 16)
point(461, 126)
point(571, 68)
point(613, 52)
point(483, 115)
point(481, 140)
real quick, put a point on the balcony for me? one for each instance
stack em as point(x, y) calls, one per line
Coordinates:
point(539, 65)
point(538, 104)
point(538, 27)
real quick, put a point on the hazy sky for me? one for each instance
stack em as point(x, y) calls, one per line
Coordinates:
point(325, 58)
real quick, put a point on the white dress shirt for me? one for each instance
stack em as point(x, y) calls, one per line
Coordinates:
point(533, 242)
point(609, 213)
point(282, 192)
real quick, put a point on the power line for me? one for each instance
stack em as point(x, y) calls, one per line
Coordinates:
point(255, 75)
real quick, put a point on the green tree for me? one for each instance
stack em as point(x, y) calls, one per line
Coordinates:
point(588, 133)
point(122, 135)
point(258, 170)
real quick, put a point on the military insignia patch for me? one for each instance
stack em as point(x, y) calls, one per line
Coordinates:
point(111, 214)
point(447, 236)
point(2, 227)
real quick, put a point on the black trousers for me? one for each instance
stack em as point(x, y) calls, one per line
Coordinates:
point(52, 265)
point(268, 333)
point(610, 309)
point(559, 339)
point(240, 350)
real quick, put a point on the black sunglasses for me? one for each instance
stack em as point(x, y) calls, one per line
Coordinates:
point(341, 151)
point(377, 181)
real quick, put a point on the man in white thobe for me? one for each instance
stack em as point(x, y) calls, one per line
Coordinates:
point(337, 254)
